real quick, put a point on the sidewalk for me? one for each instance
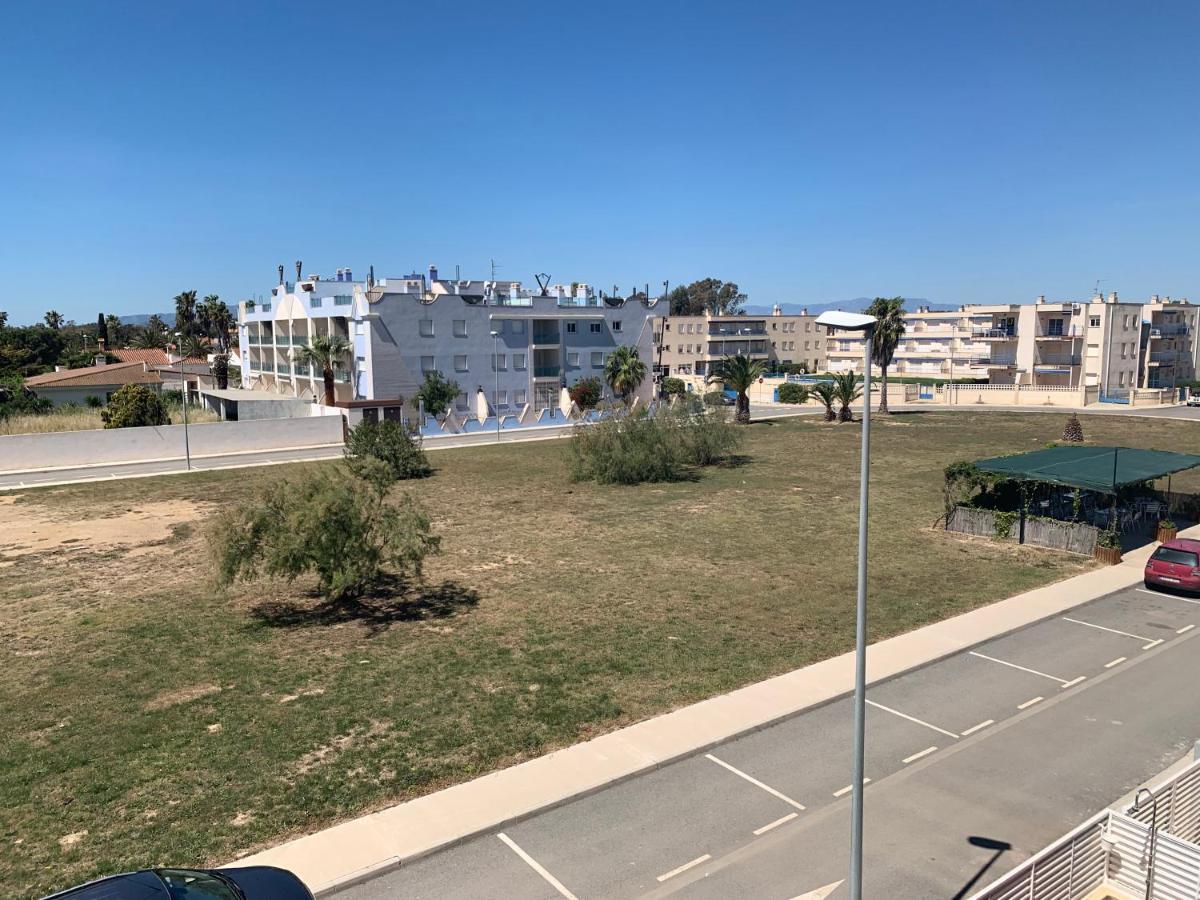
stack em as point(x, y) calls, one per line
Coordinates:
point(355, 850)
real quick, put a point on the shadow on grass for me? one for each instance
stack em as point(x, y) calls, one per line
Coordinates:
point(389, 601)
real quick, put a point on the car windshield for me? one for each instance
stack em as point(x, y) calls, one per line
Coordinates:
point(1171, 555)
point(186, 884)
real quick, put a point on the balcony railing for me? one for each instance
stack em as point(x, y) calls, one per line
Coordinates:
point(1000, 333)
point(737, 330)
point(252, 340)
point(545, 337)
point(577, 301)
point(506, 300)
point(1065, 334)
point(1057, 362)
point(1158, 331)
point(546, 371)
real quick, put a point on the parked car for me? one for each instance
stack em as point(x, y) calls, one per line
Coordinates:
point(248, 883)
point(1193, 400)
point(1175, 564)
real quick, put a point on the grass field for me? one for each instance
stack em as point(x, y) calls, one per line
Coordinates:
point(84, 419)
point(149, 719)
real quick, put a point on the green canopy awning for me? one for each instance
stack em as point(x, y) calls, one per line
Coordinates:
point(1095, 468)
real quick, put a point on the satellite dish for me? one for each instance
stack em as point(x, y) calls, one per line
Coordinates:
point(614, 302)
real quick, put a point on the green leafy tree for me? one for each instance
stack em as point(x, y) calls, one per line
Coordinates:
point(708, 295)
point(214, 318)
point(115, 331)
point(624, 371)
point(330, 524)
point(220, 370)
point(193, 346)
point(135, 406)
point(586, 392)
point(674, 387)
point(846, 387)
point(30, 350)
point(384, 452)
point(436, 393)
point(738, 373)
point(53, 320)
point(16, 399)
point(885, 337)
point(326, 353)
point(827, 394)
point(102, 329)
point(793, 393)
point(150, 339)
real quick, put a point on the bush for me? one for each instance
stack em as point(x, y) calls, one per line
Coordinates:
point(135, 406)
point(586, 392)
point(1108, 539)
point(384, 452)
point(16, 399)
point(705, 436)
point(91, 401)
point(436, 393)
point(674, 387)
point(793, 393)
point(714, 398)
point(332, 525)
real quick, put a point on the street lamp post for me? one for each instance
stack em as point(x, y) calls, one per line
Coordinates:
point(496, 369)
point(865, 325)
point(187, 450)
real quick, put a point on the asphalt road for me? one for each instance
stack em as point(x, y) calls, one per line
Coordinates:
point(1014, 742)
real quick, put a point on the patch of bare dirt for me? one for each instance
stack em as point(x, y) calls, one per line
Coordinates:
point(28, 529)
point(327, 753)
point(168, 699)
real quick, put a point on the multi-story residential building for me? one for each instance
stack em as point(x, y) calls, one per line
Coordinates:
point(494, 338)
point(689, 345)
point(1168, 342)
point(1055, 344)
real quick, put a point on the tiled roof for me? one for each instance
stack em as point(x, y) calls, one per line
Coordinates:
point(114, 373)
point(152, 355)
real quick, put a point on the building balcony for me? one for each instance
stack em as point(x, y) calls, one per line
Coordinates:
point(546, 371)
point(546, 339)
point(1068, 333)
point(569, 302)
point(1168, 330)
point(994, 334)
point(737, 331)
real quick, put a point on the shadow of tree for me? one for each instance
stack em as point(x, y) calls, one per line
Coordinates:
point(390, 600)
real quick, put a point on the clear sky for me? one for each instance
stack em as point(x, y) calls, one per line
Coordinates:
point(959, 151)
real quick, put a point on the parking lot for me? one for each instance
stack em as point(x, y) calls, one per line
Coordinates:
point(1015, 739)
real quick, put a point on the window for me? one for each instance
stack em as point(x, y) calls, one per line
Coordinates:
point(518, 326)
point(519, 398)
point(1054, 327)
point(773, 327)
point(573, 358)
point(570, 328)
point(362, 360)
point(460, 402)
point(667, 326)
point(1179, 557)
point(460, 327)
point(597, 360)
point(314, 302)
point(519, 361)
point(342, 300)
point(806, 345)
point(500, 398)
point(499, 363)
point(616, 325)
point(427, 328)
point(1094, 321)
point(594, 327)
point(688, 328)
point(426, 363)
point(460, 362)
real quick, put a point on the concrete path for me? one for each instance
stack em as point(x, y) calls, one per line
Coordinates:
point(663, 802)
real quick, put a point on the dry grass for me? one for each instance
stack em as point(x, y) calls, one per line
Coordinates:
point(149, 719)
point(83, 419)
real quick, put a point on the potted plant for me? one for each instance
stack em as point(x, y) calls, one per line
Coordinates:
point(1108, 547)
point(1166, 530)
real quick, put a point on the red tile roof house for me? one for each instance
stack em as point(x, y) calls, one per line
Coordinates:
point(76, 385)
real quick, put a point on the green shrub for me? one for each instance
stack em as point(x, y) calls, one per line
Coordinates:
point(436, 393)
point(16, 399)
point(384, 452)
point(674, 387)
point(1004, 524)
point(715, 398)
point(91, 401)
point(705, 436)
point(1108, 539)
point(329, 524)
point(586, 392)
point(793, 393)
point(135, 406)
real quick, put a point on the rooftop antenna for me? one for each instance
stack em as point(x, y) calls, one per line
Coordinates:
point(543, 281)
point(281, 273)
point(299, 266)
point(1097, 290)
point(457, 274)
point(494, 268)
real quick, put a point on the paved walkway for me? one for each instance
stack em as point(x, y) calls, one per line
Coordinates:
point(378, 843)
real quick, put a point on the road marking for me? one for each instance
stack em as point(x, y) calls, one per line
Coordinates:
point(974, 728)
point(1136, 637)
point(695, 862)
point(1185, 628)
point(1115, 662)
point(1168, 596)
point(848, 788)
point(536, 866)
point(917, 756)
point(775, 824)
point(1152, 644)
point(822, 892)
point(1074, 681)
point(754, 781)
point(896, 712)
point(1061, 681)
point(1029, 703)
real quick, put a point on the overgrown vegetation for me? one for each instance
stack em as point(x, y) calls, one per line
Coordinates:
point(793, 393)
point(586, 392)
point(436, 393)
point(385, 452)
point(135, 406)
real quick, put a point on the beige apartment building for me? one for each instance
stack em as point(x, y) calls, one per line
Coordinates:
point(689, 345)
point(1168, 342)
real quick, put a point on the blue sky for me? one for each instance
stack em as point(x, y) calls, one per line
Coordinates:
point(959, 151)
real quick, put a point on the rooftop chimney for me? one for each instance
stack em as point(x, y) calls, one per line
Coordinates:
point(1154, 298)
point(281, 273)
point(371, 277)
point(1112, 298)
point(432, 273)
point(1041, 298)
point(777, 310)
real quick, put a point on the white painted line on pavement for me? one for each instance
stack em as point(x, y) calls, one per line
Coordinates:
point(917, 756)
point(896, 712)
point(1061, 681)
point(695, 862)
point(775, 824)
point(754, 781)
point(1029, 703)
point(1136, 637)
point(536, 866)
point(1168, 596)
point(848, 788)
point(1185, 628)
point(974, 728)
point(1074, 681)
point(1152, 644)
point(1115, 662)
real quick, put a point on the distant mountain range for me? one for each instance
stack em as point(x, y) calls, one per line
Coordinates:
point(858, 304)
point(143, 318)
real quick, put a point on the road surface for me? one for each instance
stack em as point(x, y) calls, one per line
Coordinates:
point(1009, 744)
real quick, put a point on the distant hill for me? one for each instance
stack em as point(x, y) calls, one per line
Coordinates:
point(143, 318)
point(858, 304)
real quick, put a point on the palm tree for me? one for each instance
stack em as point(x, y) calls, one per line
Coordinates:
point(193, 346)
point(624, 371)
point(327, 353)
point(846, 389)
point(185, 312)
point(889, 328)
point(113, 329)
point(738, 373)
point(215, 320)
point(825, 392)
point(150, 338)
point(53, 319)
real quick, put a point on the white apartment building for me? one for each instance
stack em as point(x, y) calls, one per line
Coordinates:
point(689, 345)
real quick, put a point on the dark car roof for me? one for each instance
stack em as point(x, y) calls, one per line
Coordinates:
point(130, 886)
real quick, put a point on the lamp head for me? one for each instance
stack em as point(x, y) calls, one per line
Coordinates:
point(847, 321)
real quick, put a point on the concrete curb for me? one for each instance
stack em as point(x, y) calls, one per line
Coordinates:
point(5, 473)
point(357, 850)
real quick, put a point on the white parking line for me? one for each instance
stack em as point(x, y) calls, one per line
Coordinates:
point(1002, 662)
point(848, 788)
point(1115, 662)
point(695, 862)
point(1136, 637)
point(536, 866)
point(775, 824)
point(974, 728)
point(917, 756)
point(1029, 703)
point(896, 712)
point(754, 781)
point(1184, 629)
point(1168, 596)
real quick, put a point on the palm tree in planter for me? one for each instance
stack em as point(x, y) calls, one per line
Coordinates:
point(846, 389)
point(737, 373)
point(889, 328)
point(326, 353)
point(624, 371)
point(827, 394)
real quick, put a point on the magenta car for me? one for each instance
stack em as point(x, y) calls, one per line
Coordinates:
point(1175, 564)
